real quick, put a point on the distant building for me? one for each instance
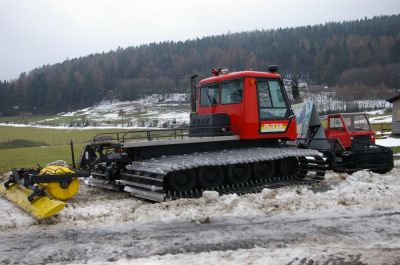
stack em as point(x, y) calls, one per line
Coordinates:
point(395, 114)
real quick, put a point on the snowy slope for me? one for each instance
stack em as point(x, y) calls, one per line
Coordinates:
point(156, 110)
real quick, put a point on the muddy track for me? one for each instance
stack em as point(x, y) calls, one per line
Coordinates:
point(366, 229)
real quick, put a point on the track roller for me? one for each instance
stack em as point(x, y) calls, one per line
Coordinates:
point(182, 180)
point(238, 173)
point(264, 169)
point(211, 176)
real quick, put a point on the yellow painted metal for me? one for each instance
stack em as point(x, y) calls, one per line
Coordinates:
point(42, 207)
point(55, 189)
point(47, 205)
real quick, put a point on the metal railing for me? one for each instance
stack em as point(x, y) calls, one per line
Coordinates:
point(176, 133)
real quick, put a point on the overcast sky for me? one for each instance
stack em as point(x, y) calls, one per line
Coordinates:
point(38, 32)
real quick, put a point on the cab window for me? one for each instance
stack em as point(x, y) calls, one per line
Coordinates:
point(209, 95)
point(336, 124)
point(276, 94)
point(271, 100)
point(232, 91)
point(357, 122)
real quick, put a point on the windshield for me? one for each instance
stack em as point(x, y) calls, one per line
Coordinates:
point(232, 91)
point(358, 122)
point(209, 95)
point(271, 101)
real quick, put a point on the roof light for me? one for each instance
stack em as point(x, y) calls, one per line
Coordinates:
point(215, 72)
point(273, 69)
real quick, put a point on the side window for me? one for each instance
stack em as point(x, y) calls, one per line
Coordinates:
point(276, 94)
point(232, 91)
point(263, 95)
point(272, 104)
point(209, 95)
point(336, 124)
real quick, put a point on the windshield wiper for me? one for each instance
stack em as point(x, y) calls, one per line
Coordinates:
point(209, 98)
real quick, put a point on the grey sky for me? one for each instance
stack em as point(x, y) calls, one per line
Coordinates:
point(34, 33)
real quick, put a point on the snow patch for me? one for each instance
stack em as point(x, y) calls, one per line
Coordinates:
point(381, 119)
point(259, 256)
point(389, 141)
point(13, 217)
point(376, 112)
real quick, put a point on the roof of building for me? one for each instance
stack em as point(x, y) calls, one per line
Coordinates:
point(393, 99)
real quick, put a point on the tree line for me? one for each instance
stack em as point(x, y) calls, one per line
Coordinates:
point(363, 53)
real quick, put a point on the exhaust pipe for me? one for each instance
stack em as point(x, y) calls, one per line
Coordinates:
point(193, 93)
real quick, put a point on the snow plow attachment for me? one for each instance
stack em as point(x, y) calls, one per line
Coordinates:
point(41, 208)
point(41, 193)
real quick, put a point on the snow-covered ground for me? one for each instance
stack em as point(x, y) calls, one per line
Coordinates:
point(149, 107)
point(169, 110)
point(326, 102)
point(388, 141)
point(346, 218)
point(376, 112)
point(260, 256)
point(381, 119)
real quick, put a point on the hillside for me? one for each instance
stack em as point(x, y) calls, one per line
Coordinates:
point(363, 55)
point(161, 111)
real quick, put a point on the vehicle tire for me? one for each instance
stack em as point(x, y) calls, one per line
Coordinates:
point(288, 166)
point(238, 173)
point(182, 180)
point(264, 169)
point(211, 176)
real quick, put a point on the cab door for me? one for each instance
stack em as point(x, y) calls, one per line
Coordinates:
point(337, 129)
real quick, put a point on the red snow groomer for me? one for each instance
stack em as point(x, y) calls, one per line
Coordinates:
point(242, 138)
point(240, 125)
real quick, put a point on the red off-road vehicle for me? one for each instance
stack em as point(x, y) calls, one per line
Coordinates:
point(347, 127)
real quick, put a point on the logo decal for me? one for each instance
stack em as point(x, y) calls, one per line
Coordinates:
point(273, 126)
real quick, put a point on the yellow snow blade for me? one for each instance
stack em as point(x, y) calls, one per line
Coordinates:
point(40, 208)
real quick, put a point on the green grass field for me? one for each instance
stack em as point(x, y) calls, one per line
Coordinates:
point(48, 145)
point(26, 147)
point(31, 156)
point(49, 136)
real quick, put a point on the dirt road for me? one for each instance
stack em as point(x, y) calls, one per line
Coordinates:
point(347, 237)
